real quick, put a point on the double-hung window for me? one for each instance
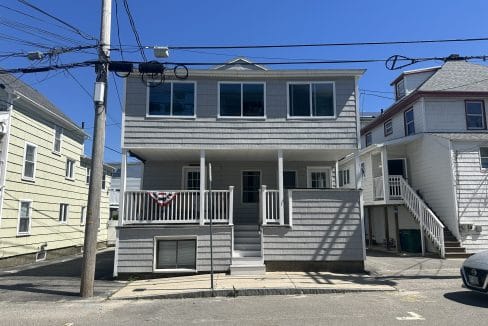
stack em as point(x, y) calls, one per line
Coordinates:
point(104, 181)
point(63, 213)
point(241, 99)
point(400, 89)
point(70, 169)
point(29, 169)
point(83, 215)
point(24, 223)
point(344, 177)
point(58, 132)
point(475, 115)
point(88, 175)
point(484, 157)
point(409, 122)
point(171, 99)
point(311, 99)
point(368, 138)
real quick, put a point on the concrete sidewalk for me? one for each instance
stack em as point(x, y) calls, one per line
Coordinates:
point(278, 283)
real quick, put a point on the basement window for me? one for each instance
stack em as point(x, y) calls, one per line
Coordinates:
point(175, 254)
point(484, 157)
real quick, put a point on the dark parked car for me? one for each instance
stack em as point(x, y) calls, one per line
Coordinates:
point(474, 272)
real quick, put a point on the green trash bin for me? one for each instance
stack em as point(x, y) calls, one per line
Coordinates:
point(410, 241)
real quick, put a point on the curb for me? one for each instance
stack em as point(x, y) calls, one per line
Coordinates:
point(251, 292)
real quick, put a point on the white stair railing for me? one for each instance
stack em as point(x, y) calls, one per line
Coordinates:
point(429, 223)
point(270, 209)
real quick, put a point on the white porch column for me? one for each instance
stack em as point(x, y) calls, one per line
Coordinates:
point(281, 197)
point(123, 177)
point(337, 174)
point(202, 187)
point(384, 167)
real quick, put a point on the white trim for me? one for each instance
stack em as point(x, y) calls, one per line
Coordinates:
point(311, 117)
point(26, 178)
point(405, 124)
point(87, 175)
point(65, 211)
point(61, 132)
point(242, 185)
point(83, 215)
point(327, 169)
point(5, 149)
point(242, 116)
point(30, 217)
point(170, 238)
point(171, 116)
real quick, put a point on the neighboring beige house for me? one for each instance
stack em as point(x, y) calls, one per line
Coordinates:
point(43, 178)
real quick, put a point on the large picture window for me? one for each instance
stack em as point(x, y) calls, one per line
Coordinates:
point(311, 99)
point(171, 99)
point(475, 115)
point(176, 254)
point(241, 99)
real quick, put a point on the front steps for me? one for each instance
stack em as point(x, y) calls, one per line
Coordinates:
point(246, 258)
point(453, 247)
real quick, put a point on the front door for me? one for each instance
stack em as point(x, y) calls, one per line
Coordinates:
point(397, 167)
point(250, 188)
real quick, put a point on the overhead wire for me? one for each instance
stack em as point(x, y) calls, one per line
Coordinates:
point(134, 29)
point(118, 28)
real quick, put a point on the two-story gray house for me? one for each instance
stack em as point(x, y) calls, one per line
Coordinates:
point(425, 162)
point(273, 139)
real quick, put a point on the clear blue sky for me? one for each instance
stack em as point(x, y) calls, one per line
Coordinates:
point(218, 22)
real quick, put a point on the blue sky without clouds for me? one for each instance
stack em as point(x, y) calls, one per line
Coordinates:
point(218, 22)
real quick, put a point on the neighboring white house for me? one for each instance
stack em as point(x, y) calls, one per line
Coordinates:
point(43, 178)
point(273, 139)
point(429, 150)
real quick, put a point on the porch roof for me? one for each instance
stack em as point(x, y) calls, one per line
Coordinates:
point(158, 154)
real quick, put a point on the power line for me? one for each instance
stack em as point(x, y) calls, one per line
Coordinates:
point(118, 28)
point(73, 28)
point(301, 45)
point(114, 150)
point(134, 29)
point(117, 91)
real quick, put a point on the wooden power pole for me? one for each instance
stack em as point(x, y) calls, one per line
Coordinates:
point(95, 187)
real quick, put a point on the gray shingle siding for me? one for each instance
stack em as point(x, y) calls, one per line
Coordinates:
point(326, 227)
point(207, 131)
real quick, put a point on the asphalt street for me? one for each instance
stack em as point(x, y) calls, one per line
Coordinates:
point(429, 291)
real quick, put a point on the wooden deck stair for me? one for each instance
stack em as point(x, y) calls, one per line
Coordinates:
point(247, 258)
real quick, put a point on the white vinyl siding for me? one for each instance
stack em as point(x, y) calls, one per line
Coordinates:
point(29, 169)
point(24, 221)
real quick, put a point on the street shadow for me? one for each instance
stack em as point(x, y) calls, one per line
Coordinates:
point(321, 278)
point(32, 288)
point(469, 298)
point(71, 268)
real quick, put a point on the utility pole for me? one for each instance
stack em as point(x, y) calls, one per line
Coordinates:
point(95, 187)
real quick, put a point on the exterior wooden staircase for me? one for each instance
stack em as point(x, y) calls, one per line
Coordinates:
point(453, 247)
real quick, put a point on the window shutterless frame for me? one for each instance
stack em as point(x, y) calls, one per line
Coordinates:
point(29, 216)
point(171, 116)
point(483, 158)
point(58, 139)
point(388, 128)
point(173, 238)
point(242, 116)
point(482, 115)
point(320, 169)
point(63, 213)
point(368, 139)
point(33, 177)
point(70, 169)
point(310, 83)
point(408, 123)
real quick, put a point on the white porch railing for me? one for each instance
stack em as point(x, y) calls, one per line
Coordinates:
point(429, 223)
point(184, 208)
point(270, 205)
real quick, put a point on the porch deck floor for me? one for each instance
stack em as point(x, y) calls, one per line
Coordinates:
point(270, 283)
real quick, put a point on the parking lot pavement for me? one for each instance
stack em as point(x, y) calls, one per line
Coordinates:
point(57, 280)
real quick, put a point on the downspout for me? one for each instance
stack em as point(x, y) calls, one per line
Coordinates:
point(454, 177)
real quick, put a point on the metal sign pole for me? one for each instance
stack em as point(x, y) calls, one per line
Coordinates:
point(210, 217)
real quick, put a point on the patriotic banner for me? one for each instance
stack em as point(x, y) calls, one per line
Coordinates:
point(162, 198)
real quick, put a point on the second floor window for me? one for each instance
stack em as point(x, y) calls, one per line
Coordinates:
point(88, 174)
point(484, 157)
point(368, 139)
point(400, 89)
point(475, 115)
point(241, 99)
point(409, 123)
point(58, 131)
point(171, 99)
point(311, 99)
point(70, 169)
point(29, 162)
point(388, 128)
point(63, 213)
